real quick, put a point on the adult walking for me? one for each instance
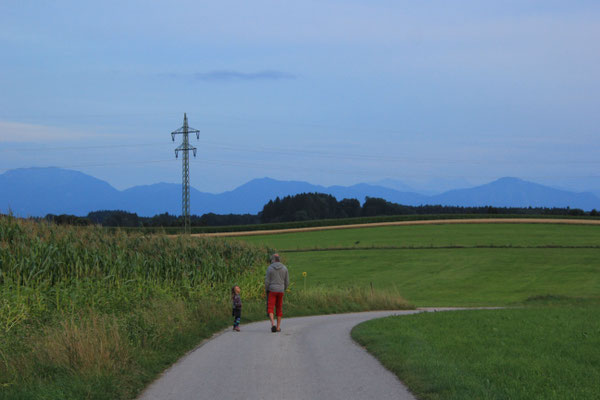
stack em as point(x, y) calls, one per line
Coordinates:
point(276, 282)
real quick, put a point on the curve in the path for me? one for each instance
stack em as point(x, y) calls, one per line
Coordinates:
point(312, 358)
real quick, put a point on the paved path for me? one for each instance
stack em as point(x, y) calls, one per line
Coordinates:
point(312, 358)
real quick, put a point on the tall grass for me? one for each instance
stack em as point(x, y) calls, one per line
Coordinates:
point(40, 255)
point(41, 264)
point(81, 303)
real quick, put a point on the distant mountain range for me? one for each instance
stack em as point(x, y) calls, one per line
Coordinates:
point(41, 191)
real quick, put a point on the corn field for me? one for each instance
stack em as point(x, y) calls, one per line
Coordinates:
point(45, 268)
point(40, 255)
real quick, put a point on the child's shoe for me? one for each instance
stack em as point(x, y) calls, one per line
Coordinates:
point(237, 328)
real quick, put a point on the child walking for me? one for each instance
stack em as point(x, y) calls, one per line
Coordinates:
point(236, 300)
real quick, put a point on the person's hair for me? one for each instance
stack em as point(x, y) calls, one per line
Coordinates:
point(275, 258)
point(233, 291)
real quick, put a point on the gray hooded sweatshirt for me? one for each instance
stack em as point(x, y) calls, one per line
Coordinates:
point(276, 278)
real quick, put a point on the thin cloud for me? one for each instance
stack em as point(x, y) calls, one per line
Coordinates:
point(22, 133)
point(227, 75)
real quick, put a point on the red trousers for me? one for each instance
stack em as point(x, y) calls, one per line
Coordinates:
point(275, 300)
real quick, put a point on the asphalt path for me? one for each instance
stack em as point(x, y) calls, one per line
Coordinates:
point(312, 358)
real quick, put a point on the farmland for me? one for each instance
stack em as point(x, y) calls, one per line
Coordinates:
point(89, 313)
point(544, 346)
point(449, 265)
point(440, 235)
point(456, 277)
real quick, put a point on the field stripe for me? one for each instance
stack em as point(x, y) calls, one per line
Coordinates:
point(450, 247)
point(403, 223)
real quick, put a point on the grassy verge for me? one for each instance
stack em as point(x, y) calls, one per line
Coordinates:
point(92, 355)
point(542, 351)
point(87, 314)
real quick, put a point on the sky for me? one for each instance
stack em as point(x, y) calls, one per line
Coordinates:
point(430, 93)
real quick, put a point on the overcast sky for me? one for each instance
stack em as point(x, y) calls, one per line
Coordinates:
point(330, 92)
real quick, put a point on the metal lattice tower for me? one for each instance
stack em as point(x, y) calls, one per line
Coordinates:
point(185, 148)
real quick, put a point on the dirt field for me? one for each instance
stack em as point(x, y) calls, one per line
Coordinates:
point(398, 223)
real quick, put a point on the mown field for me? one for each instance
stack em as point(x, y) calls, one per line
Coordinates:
point(549, 349)
point(87, 313)
point(456, 277)
point(449, 265)
point(545, 346)
point(443, 235)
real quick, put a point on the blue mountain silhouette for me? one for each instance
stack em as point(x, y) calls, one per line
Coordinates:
point(41, 191)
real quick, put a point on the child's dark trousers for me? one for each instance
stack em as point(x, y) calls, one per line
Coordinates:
point(237, 316)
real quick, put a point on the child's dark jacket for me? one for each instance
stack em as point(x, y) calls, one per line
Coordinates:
point(237, 301)
point(237, 305)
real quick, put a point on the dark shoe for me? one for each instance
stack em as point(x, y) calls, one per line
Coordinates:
point(273, 329)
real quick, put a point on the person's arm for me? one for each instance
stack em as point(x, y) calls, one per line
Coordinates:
point(237, 301)
point(267, 280)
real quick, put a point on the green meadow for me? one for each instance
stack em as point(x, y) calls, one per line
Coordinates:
point(455, 277)
point(443, 235)
point(541, 351)
point(544, 345)
point(448, 265)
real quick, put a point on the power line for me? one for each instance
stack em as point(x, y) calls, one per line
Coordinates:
point(299, 152)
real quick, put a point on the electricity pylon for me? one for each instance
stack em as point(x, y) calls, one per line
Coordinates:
point(185, 148)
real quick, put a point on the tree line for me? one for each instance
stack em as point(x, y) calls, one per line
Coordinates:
point(301, 207)
point(119, 218)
